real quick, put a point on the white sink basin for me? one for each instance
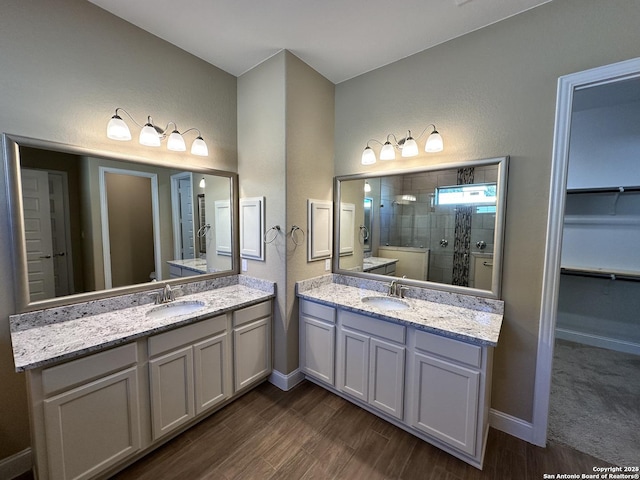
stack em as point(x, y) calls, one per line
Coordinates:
point(175, 309)
point(385, 303)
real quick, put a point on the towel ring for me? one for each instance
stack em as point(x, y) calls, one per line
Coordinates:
point(292, 234)
point(276, 229)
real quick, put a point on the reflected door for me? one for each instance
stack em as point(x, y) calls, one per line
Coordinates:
point(37, 221)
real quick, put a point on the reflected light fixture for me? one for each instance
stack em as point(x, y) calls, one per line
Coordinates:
point(202, 183)
point(367, 187)
point(408, 146)
point(152, 136)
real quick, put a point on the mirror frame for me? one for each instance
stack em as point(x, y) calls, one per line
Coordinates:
point(496, 281)
point(11, 152)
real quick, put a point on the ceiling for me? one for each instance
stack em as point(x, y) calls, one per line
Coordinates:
point(340, 39)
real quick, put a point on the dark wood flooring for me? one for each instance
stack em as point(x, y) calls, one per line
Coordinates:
point(310, 433)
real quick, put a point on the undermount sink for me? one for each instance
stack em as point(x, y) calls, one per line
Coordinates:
point(175, 309)
point(385, 303)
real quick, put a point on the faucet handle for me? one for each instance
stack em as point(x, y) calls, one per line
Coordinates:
point(403, 289)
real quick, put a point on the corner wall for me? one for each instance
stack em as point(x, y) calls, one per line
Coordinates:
point(285, 152)
point(492, 93)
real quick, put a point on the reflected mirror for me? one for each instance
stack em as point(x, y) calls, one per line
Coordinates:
point(440, 227)
point(86, 222)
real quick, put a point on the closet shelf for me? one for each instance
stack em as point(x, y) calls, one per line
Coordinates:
point(620, 189)
point(602, 219)
point(601, 273)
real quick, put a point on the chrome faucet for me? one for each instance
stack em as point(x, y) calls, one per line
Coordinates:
point(165, 295)
point(393, 287)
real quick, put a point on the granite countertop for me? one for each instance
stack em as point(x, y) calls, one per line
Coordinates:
point(37, 342)
point(479, 322)
point(370, 263)
point(198, 265)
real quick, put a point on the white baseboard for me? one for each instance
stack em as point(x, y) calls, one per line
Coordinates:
point(512, 425)
point(16, 464)
point(286, 382)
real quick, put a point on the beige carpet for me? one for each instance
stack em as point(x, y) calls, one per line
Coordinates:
point(595, 402)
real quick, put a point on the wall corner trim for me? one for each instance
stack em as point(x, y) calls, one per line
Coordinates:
point(17, 464)
point(512, 425)
point(288, 381)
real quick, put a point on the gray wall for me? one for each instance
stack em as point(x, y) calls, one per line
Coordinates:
point(493, 93)
point(285, 152)
point(66, 66)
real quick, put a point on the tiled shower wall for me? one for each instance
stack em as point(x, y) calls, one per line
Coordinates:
point(420, 223)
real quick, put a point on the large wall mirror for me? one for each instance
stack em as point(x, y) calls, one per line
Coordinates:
point(439, 227)
point(86, 222)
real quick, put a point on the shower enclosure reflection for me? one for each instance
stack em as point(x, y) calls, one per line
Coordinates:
point(442, 225)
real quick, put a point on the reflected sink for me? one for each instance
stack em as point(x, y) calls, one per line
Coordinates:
point(175, 309)
point(385, 303)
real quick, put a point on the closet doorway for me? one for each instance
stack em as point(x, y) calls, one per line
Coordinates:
point(588, 377)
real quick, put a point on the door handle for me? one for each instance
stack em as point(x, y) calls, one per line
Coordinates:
point(61, 254)
point(45, 256)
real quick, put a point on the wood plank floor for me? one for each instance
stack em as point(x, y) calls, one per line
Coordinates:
point(310, 433)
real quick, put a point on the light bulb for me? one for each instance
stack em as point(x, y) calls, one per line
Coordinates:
point(198, 147)
point(410, 147)
point(149, 136)
point(368, 156)
point(434, 142)
point(387, 152)
point(176, 142)
point(117, 129)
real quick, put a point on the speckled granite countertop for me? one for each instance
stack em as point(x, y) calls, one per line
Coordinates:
point(198, 265)
point(46, 337)
point(463, 317)
point(371, 263)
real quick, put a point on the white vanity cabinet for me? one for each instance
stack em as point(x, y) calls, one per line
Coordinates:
point(90, 412)
point(251, 344)
point(445, 390)
point(371, 361)
point(93, 415)
point(433, 386)
point(189, 372)
point(317, 341)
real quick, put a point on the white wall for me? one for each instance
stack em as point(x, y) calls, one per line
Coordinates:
point(604, 150)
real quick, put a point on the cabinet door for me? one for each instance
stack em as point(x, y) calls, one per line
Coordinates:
point(172, 401)
point(445, 401)
point(318, 353)
point(386, 377)
point(92, 427)
point(252, 352)
point(209, 357)
point(354, 364)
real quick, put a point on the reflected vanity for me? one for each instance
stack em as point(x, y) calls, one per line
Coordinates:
point(86, 222)
point(439, 227)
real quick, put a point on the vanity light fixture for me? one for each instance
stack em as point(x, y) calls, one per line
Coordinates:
point(367, 187)
point(202, 183)
point(151, 135)
point(408, 146)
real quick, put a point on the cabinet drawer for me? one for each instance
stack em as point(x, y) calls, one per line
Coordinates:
point(448, 348)
point(88, 368)
point(323, 312)
point(164, 342)
point(175, 272)
point(251, 313)
point(378, 328)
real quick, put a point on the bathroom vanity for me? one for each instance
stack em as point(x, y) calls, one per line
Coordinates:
point(108, 381)
point(422, 363)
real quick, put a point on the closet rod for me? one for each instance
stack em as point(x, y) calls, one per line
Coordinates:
point(604, 190)
point(608, 275)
